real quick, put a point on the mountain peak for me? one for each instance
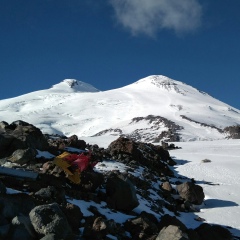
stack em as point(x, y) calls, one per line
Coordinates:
point(73, 85)
point(158, 80)
point(162, 82)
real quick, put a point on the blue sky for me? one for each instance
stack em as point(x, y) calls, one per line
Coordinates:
point(112, 43)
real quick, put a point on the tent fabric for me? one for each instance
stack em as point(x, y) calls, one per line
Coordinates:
point(74, 164)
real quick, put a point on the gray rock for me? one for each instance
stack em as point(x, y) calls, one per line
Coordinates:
point(191, 192)
point(51, 194)
point(47, 219)
point(20, 135)
point(172, 233)
point(142, 227)
point(22, 156)
point(166, 186)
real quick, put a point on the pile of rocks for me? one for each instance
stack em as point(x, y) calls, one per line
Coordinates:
point(42, 210)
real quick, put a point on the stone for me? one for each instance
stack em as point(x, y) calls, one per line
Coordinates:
point(166, 186)
point(167, 220)
point(20, 135)
point(23, 228)
point(210, 232)
point(91, 180)
point(73, 141)
point(22, 156)
point(15, 204)
point(121, 193)
point(73, 214)
point(124, 145)
point(191, 192)
point(141, 227)
point(172, 233)
point(51, 194)
point(49, 218)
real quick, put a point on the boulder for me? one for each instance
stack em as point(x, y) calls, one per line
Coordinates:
point(124, 145)
point(141, 227)
point(51, 194)
point(8, 144)
point(164, 154)
point(20, 135)
point(91, 180)
point(73, 214)
point(166, 186)
point(22, 228)
point(210, 232)
point(167, 220)
point(149, 155)
point(100, 226)
point(30, 135)
point(191, 192)
point(49, 219)
point(15, 204)
point(121, 194)
point(172, 233)
point(97, 230)
point(22, 156)
point(73, 141)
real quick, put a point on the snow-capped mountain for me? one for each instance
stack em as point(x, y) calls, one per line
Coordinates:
point(152, 109)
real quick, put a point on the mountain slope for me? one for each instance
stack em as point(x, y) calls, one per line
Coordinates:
point(151, 109)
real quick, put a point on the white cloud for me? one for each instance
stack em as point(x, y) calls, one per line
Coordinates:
point(150, 16)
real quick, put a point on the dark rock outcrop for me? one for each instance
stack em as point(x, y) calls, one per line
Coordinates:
point(126, 146)
point(20, 135)
point(149, 155)
point(233, 132)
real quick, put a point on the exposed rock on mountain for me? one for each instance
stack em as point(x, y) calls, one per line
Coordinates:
point(233, 132)
point(169, 131)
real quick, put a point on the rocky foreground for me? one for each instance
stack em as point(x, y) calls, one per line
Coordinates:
point(42, 208)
